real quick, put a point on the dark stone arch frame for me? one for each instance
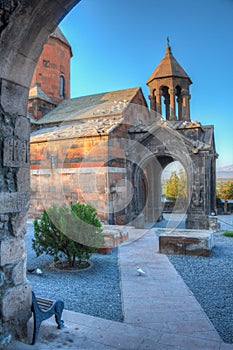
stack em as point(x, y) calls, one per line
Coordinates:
point(24, 28)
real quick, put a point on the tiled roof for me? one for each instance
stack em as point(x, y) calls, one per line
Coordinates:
point(92, 106)
point(168, 67)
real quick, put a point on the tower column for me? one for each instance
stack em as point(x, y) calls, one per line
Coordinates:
point(158, 103)
point(186, 106)
point(172, 104)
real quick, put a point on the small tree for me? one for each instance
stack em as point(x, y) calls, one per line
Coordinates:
point(172, 187)
point(225, 191)
point(176, 186)
point(73, 232)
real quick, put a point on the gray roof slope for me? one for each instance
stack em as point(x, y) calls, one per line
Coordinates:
point(36, 92)
point(91, 106)
point(59, 35)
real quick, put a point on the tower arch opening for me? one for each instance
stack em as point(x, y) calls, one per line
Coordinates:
point(166, 101)
point(174, 188)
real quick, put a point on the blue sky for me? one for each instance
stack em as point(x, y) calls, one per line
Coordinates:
point(118, 43)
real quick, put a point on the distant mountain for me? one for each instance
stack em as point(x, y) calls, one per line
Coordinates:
point(225, 172)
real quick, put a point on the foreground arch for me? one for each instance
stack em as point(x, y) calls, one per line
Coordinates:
point(24, 28)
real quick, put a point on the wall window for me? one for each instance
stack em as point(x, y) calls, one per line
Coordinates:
point(62, 86)
point(46, 63)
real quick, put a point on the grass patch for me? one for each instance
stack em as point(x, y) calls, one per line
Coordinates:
point(228, 233)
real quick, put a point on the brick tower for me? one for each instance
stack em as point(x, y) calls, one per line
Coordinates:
point(50, 83)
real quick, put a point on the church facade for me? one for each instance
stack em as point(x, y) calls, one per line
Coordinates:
point(110, 150)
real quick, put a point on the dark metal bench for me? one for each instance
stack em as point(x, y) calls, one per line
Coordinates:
point(42, 310)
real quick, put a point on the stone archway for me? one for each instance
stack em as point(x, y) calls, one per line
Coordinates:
point(166, 142)
point(153, 206)
point(24, 28)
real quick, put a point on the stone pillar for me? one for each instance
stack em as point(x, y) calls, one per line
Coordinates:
point(172, 104)
point(15, 291)
point(152, 99)
point(158, 103)
point(199, 209)
point(180, 107)
point(186, 106)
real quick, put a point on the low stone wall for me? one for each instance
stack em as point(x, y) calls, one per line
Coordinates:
point(187, 242)
point(113, 236)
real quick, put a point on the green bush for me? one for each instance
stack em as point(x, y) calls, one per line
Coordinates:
point(73, 233)
point(228, 234)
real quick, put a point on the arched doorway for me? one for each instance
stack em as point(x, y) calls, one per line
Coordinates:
point(151, 193)
point(24, 28)
point(175, 196)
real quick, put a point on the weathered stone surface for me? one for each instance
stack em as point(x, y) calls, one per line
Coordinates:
point(14, 202)
point(23, 180)
point(18, 223)
point(187, 242)
point(2, 279)
point(19, 273)
point(24, 28)
point(15, 301)
point(11, 251)
point(113, 236)
point(3, 223)
point(7, 9)
point(11, 93)
point(15, 152)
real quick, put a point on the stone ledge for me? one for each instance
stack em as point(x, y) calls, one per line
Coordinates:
point(187, 242)
point(113, 236)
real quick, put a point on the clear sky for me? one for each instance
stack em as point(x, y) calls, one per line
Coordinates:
point(118, 43)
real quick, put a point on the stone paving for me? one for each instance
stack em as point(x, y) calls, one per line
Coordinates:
point(160, 312)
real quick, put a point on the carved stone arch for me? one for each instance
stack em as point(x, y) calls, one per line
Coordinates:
point(24, 28)
point(151, 169)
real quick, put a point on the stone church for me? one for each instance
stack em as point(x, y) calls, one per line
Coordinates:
point(110, 149)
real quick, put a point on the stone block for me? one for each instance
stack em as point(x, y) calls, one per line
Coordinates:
point(16, 300)
point(14, 202)
point(19, 273)
point(187, 242)
point(18, 223)
point(113, 236)
point(11, 251)
point(2, 279)
point(11, 93)
point(23, 180)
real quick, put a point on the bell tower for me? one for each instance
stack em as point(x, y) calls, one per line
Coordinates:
point(169, 84)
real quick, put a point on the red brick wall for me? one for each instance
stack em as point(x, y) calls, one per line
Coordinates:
point(53, 62)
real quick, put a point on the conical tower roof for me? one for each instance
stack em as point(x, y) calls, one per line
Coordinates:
point(168, 67)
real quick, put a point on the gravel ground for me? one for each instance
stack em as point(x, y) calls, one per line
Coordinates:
point(211, 281)
point(94, 291)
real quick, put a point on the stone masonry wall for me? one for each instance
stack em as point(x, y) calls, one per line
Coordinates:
point(15, 292)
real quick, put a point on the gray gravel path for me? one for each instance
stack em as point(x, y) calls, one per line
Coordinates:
point(94, 291)
point(211, 281)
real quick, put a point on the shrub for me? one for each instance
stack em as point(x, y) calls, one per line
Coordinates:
point(228, 233)
point(73, 233)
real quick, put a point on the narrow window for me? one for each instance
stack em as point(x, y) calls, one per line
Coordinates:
point(62, 86)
